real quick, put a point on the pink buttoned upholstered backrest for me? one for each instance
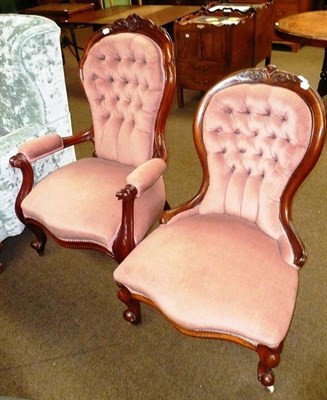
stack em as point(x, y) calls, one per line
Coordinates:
point(124, 80)
point(254, 136)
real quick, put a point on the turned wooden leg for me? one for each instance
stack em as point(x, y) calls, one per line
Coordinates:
point(133, 312)
point(41, 239)
point(269, 358)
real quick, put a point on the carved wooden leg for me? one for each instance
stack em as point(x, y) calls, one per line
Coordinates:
point(269, 358)
point(41, 239)
point(133, 312)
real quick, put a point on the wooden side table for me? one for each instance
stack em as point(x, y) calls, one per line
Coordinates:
point(264, 25)
point(61, 14)
point(307, 28)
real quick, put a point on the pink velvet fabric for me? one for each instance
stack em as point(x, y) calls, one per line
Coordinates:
point(78, 202)
point(215, 273)
point(124, 80)
point(145, 175)
point(255, 137)
point(37, 148)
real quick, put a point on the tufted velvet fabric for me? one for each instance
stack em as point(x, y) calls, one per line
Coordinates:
point(255, 136)
point(124, 74)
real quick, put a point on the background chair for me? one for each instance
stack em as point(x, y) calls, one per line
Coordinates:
point(129, 78)
point(225, 265)
point(33, 102)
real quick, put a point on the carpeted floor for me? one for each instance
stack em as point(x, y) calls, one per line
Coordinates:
point(62, 335)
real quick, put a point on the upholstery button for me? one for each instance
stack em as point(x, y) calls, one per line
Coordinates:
point(242, 150)
point(101, 57)
point(237, 132)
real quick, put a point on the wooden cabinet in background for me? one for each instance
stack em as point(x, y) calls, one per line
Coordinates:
point(264, 25)
point(208, 51)
point(283, 8)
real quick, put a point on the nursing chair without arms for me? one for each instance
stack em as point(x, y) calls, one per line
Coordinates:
point(128, 74)
point(225, 265)
point(33, 103)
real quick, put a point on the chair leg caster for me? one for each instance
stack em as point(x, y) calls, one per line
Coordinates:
point(271, 388)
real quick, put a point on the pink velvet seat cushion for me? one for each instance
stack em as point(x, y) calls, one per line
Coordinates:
point(78, 202)
point(215, 273)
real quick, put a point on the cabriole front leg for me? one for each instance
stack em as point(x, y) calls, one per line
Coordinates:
point(133, 312)
point(41, 239)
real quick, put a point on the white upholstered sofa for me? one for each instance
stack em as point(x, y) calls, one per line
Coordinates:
point(33, 102)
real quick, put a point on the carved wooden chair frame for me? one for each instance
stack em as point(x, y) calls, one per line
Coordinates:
point(124, 241)
point(269, 358)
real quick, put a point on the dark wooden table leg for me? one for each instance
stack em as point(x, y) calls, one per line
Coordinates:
point(322, 87)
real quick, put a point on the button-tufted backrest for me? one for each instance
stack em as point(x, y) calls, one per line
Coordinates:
point(255, 136)
point(124, 80)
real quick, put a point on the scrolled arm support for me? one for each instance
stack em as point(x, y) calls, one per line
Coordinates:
point(78, 138)
point(21, 162)
point(124, 242)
